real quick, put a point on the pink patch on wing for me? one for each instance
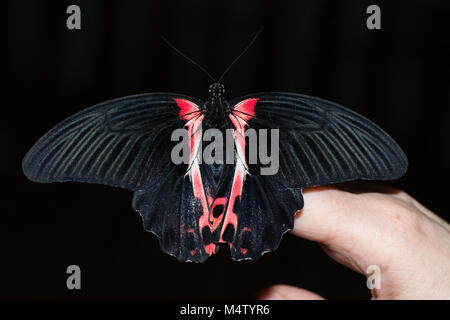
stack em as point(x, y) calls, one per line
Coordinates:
point(190, 112)
point(210, 248)
point(242, 112)
point(216, 221)
point(246, 108)
point(236, 191)
point(188, 109)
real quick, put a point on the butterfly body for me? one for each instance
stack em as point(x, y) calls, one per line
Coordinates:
point(216, 109)
point(195, 205)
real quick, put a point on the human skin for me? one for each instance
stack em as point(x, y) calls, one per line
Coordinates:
point(380, 226)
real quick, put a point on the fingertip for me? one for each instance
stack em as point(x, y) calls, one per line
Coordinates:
point(325, 212)
point(286, 292)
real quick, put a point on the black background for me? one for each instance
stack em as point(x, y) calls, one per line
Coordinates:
point(398, 77)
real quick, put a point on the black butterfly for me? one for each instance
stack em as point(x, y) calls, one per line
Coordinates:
point(192, 207)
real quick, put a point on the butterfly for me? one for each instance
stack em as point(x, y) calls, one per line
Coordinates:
point(194, 206)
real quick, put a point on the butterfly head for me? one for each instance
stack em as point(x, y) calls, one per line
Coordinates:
point(216, 92)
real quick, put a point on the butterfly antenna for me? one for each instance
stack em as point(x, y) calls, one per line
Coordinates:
point(189, 59)
point(242, 53)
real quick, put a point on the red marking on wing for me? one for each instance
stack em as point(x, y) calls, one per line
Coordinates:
point(246, 108)
point(216, 221)
point(236, 191)
point(188, 109)
point(242, 112)
point(210, 248)
point(195, 134)
point(199, 193)
point(239, 138)
point(210, 199)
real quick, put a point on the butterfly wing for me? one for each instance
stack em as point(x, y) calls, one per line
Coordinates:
point(123, 142)
point(184, 228)
point(320, 143)
point(126, 142)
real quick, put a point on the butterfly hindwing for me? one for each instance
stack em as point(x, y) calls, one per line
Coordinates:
point(172, 211)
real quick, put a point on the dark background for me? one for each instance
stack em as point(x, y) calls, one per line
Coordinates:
point(398, 77)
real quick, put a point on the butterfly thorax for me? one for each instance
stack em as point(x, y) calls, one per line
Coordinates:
point(216, 108)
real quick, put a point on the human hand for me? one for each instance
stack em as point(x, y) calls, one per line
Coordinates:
point(387, 228)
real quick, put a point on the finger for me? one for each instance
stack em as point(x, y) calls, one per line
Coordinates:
point(434, 217)
point(285, 292)
point(361, 187)
point(356, 229)
point(374, 229)
point(327, 213)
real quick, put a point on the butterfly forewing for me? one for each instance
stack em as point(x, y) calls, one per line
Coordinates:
point(123, 142)
point(322, 142)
